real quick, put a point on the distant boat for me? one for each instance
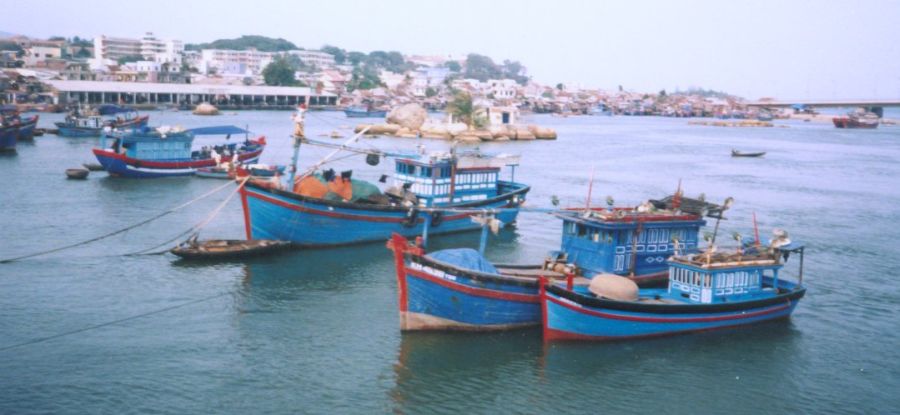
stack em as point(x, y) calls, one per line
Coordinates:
point(364, 112)
point(164, 152)
point(12, 116)
point(76, 125)
point(8, 137)
point(764, 116)
point(735, 153)
point(866, 120)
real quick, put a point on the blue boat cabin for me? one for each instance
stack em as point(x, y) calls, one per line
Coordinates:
point(626, 242)
point(436, 182)
point(719, 282)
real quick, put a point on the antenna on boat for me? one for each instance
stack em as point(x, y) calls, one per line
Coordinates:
point(755, 229)
point(725, 206)
point(587, 206)
point(676, 199)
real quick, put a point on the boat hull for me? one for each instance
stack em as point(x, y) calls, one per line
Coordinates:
point(847, 122)
point(275, 214)
point(26, 129)
point(435, 296)
point(8, 138)
point(365, 114)
point(567, 318)
point(120, 165)
point(65, 131)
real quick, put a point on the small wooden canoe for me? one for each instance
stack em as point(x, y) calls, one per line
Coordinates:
point(79, 174)
point(93, 166)
point(227, 248)
point(735, 153)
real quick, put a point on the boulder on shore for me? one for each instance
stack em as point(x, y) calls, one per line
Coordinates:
point(410, 116)
point(467, 138)
point(524, 134)
point(206, 109)
point(379, 129)
point(542, 133)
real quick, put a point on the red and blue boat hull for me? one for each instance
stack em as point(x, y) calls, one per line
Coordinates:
point(567, 316)
point(312, 222)
point(122, 166)
point(26, 128)
point(435, 296)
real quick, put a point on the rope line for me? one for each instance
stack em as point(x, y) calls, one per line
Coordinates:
point(109, 323)
point(113, 233)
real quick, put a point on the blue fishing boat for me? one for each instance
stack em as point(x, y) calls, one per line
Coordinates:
point(11, 115)
point(706, 291)
point(325, 209)
point(8, 137)
point(459, 290)
point(163, 152)
point(364, 112)
point(78, 125)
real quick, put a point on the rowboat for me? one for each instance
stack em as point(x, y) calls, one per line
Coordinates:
point(77, 173)
point(736, 153)
point(705, 291)
point(227, 248)
point(165, 151)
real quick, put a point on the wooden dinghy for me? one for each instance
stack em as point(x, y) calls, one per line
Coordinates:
point(79, 174)
point(227, 248)
point(735, 153)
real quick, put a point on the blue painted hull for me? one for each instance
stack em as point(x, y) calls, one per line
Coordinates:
point(436, 296)
point(569, 317)
point(78, 132)
point(26, 129)
point(365, 114)
point(8, 138)
point(272, 214)
point(118, 165)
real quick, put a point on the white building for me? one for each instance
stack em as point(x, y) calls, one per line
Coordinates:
point(248, 62)
point(113, 48)
point(320, 59)
point(39, 51)
point(109, 49)
point(503, 88)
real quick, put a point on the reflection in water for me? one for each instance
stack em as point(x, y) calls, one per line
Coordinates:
point(433, 370)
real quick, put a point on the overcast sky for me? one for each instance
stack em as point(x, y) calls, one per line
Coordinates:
point(785, 49)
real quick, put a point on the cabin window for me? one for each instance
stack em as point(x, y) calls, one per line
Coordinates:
point(582, 230)
point(426, 171)
point(595, 236)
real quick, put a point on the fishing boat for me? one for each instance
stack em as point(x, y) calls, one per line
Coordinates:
point(227, 248)
point(216, 172)
point(78, 125)
point(8, 137)
point(322, 208)
point(165, 151)
point(706, 291)
point(364, 112)
point(26, 126)
point(736, 153)
point(765, 116)
point(865, 119)
point(458, 289)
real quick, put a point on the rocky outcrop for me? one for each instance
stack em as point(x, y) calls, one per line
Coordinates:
point(410, 116)
point(542, 133)
point(206, 109)
point(460, 132)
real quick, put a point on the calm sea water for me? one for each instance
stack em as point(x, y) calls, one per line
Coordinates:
point(317, 331)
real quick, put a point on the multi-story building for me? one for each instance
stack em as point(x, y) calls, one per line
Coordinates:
point(113, 48)
point(109, 49)
point(314, 57)
point(220, 61)
point(41, 50)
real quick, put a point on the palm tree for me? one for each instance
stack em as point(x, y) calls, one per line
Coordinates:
point(462, 108)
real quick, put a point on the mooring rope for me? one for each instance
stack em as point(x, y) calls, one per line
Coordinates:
point(109, 323)
point(195, 228)
point(107, 235)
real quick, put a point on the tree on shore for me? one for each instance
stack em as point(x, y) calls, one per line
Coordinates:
point(279, 73)
point(463, 109)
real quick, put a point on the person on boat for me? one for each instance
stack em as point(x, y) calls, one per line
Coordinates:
point(298, 120)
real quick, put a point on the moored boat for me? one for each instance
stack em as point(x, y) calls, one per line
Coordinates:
point(8, 137)
point(736, 153)
point(866, 120)
point(364, 112)
point(327, 209)
point(26, 126)
point(164, 151)
point(705, 291)
point(79, 174)
point(227, 248)
point(78, 125)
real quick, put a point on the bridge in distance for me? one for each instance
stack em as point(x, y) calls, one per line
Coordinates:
point(873, 105)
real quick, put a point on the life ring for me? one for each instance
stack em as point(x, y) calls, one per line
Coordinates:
point(412, 217)
point(437, 218)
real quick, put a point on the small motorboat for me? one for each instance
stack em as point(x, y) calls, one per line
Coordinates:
point(79, 174)
point(735, 153)
point(215, 173)
point(93, 166)
point(227, 248)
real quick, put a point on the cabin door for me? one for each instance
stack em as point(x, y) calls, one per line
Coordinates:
point(505, 118)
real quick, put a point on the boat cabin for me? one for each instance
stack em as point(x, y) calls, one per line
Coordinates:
point(170, 144)
point(625, 241)
point(443, 179)
point(717, 278)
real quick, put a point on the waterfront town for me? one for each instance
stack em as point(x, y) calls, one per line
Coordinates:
point(255, 72)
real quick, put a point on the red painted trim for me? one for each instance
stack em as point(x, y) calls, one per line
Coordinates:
point(247, 227)
point(478, 292)
point(590, 312)
point(542, 294)
point(398, 244)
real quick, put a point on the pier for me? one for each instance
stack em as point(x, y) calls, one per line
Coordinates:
point(223, 96)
